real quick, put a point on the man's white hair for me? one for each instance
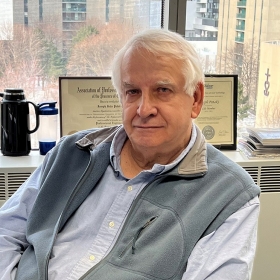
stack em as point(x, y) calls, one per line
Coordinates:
point(163, 43)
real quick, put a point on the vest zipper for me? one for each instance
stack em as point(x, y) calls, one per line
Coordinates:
point(131, 243)
point(88, 169)
point(147, 224)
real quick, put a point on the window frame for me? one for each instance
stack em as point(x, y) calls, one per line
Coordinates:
point(175, 15)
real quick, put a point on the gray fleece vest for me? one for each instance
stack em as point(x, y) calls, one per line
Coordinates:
point(170, 215)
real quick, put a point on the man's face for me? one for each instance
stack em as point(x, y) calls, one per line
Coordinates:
point(157, 112)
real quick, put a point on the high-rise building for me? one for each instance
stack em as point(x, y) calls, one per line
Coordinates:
point(206, 24)
point(245, 25)
point(68, 16)
point(202, 29)
point(202, 19)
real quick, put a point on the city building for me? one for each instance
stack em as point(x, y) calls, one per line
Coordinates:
point(68, 16)
point(244, 25)
point(202, 20)
point(202, 30)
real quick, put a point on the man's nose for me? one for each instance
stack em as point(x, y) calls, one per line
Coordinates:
point(146, 106)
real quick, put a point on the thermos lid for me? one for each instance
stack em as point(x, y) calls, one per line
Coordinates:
point(47, 108)
point(14, 91)
point(13, 94)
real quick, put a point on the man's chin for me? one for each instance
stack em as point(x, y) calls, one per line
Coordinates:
point(146, 143)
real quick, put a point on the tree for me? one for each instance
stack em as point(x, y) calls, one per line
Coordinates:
point(84, 33)
point(244, 61)
point(30, 56)
point(51, 59)
point(20, 59)
point(243, 104)
point(208, 63)
point(93, 55)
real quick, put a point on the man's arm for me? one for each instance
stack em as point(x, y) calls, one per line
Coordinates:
point(13, 219)
point(228, 253)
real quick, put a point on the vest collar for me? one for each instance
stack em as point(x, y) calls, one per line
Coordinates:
point(193, 164)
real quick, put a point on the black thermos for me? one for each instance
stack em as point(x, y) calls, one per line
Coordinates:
point(15, 132)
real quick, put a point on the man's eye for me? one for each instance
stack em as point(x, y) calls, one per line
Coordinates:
point(163, 89)
point(132, 91)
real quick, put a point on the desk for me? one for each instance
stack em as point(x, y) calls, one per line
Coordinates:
point(28, 162)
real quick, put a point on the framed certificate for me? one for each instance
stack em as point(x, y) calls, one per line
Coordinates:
point(218, 117)
point(87, 102)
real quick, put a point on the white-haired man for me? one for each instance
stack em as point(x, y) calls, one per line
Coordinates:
point(148, 199)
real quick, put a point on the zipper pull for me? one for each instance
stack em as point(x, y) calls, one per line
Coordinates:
point(140, 231)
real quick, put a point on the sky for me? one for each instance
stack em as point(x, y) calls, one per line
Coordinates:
point(6, 13)
point(6, 10)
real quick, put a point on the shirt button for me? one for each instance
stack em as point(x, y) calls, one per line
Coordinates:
point(111, 224)
point(129, 188)
point(92, 257)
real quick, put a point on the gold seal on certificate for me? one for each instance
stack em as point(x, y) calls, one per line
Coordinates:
point(208, 132)
point(217, 119)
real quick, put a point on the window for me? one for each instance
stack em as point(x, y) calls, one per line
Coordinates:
point(41, 40)
point(59, 36)
point(44, 39)
point(245, 41)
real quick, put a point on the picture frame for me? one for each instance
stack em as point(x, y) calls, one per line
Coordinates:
point(218, 117)
point(87, 102)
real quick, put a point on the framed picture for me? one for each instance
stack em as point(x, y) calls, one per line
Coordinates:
point(87, 102)
point(218, 117)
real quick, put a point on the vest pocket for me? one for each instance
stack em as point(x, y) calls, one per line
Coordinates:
point(147, 224)
point(152, 244)
point(132, 243)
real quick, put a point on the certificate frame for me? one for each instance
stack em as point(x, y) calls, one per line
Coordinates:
point(87, 102)
point(218, 117)
point(86, 93)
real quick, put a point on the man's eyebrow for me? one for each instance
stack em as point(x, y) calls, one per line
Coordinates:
point(128, 85)
point(165, 83)
point(158, 83)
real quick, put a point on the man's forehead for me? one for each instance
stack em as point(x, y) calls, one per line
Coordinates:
point(160, 82)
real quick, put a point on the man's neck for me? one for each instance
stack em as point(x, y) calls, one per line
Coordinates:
point(134, 161)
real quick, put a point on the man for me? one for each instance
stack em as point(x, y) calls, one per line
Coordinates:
point(145, 200)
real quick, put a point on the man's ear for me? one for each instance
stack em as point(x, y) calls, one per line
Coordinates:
point(198, 100)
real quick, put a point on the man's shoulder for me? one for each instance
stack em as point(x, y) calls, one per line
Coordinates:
point(80, 137)
point(220, 164)
point(80, 134)
point(217, 156)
